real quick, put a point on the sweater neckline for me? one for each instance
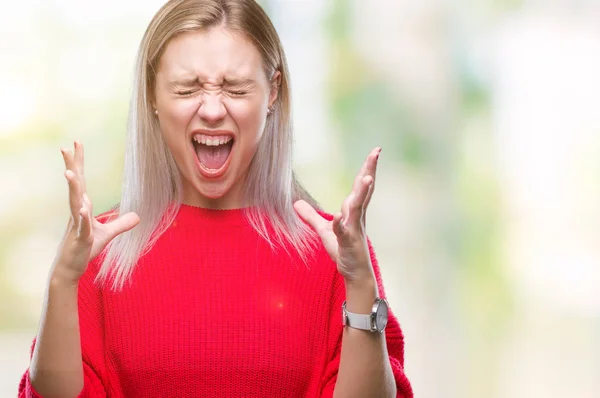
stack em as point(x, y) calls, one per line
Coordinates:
point(189, 214)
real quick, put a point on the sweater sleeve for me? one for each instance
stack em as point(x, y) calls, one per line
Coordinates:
point(92, 344)
point(393, 336)
point(92, 386)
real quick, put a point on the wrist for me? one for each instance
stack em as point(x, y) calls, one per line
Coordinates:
point(58, 282)
point(361, 294)
point(358, 276)
point(61, 277)
point(361, 280)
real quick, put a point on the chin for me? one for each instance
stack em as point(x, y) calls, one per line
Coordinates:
point(206, 194)
point(212, 192)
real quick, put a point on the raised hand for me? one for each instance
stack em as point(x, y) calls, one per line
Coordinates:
point(85, 237)
point(345, 236)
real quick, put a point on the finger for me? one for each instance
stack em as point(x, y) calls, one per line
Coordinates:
point(122, 224)
point(346, 205)
point(85, 225)
point(367, 167)
point(310, 215)
point(75, 202)
point(356, 205)
point(363, 172)
point(367, 201)
point(69, 160)
point(373, 173)
point(88, 202)
point(338, 225)
point(79, 163)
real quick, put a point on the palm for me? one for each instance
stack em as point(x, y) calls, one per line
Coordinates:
point(330, 241)
point(101, 235)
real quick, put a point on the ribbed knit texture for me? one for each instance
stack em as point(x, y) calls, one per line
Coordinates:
point(212, 311)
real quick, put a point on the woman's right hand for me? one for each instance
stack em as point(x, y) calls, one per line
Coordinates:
point(85, 237)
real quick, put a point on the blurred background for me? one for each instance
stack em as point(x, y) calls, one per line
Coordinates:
point(486, 216)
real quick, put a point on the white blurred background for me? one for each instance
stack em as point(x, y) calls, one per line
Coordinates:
point(486, 217)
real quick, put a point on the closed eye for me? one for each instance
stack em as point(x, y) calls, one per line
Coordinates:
point(237, 93)
point(185, 93)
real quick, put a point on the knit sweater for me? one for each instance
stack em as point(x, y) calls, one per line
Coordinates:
point(213, 311)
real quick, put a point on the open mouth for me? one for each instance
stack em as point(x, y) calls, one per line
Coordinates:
point(212, 151)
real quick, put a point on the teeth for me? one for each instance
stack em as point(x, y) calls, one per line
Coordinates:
point(210, 140)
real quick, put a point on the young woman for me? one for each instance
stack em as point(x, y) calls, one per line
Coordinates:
point(217, 275)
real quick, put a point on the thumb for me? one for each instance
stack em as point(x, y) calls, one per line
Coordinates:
point(309, 215)
point(122, 224)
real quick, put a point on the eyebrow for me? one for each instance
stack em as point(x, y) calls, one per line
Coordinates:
point(184, 83)
point(238, 82)
point(193, 82)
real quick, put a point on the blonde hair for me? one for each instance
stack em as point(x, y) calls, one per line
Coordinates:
point(152, 184)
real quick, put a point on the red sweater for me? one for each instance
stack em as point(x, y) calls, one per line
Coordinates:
point(212, 311)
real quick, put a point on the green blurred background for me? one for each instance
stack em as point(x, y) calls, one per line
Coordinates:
point(486, 215)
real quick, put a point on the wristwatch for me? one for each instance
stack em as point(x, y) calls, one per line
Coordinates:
point(373, 322)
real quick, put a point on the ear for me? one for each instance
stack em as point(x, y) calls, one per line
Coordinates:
point(275, 83)
point(152, 99)
point(152, 93)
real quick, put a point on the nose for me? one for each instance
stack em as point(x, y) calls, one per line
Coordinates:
point(211, 110)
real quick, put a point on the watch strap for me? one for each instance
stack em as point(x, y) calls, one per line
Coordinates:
point(359, 321)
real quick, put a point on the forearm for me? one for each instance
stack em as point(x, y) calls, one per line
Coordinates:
point(365, 369)
point(56, 368)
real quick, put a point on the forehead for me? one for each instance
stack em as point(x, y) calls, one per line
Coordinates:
point(210, 55)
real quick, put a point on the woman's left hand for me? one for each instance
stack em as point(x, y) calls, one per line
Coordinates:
point(345, 237)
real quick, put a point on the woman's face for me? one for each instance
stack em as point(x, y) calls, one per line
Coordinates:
point(212, 96)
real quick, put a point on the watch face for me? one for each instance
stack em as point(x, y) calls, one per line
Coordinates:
point(382, 316)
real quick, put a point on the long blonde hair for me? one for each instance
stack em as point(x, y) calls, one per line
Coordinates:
point(152, 184)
